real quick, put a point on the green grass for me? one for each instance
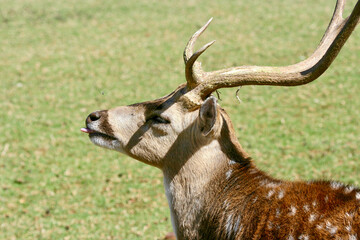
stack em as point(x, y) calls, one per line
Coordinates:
point(61, 60)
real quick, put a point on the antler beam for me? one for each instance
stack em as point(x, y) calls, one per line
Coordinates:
point(204, 83)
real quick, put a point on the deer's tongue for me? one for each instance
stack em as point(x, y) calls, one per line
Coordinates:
point(87, 130)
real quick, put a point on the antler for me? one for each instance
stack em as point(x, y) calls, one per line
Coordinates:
point(203, 83)
point(193, 70)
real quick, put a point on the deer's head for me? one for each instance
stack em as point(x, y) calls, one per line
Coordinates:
point(173, 127)
point(149, 131)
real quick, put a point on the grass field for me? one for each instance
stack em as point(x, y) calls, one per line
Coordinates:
point(61, 60)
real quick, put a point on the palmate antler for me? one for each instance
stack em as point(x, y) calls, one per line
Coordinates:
point(202, 84)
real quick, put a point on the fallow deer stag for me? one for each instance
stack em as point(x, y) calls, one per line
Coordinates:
point(213, 188)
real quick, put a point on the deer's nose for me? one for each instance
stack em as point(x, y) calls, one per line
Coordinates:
point(94, 116)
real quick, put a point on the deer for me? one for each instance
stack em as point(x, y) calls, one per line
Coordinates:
point(213, 188)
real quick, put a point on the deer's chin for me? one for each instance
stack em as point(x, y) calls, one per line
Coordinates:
point(105, 141)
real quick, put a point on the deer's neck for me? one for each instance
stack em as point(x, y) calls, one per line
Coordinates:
point(187, 188)
point(193, 189)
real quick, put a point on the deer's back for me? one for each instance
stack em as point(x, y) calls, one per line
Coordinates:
point(272, 209)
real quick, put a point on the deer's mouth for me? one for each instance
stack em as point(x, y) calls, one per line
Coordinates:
point(95, 134)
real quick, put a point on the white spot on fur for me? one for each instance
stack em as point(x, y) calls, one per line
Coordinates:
point(357, 195)
point(314, 203)
point(253, 171)
point(270, 193)
point(306, 208)
point(277, 214)
point(263, 182)
point(232, 162)
point(272, 185)
point(290, 237)
point(319, 226)
point(281, 194)
point(228, 174)
point(237, 223)
point(240, 228)
point(270, 225)
point(255, 199)
point(229, 225)
point(226, 204)
point(304, 237)
point(352, 237)
point(349, 189)
point(326, 199)
point(312, 217)
point(349, 215)
point(292, 211)
point(348, 228)
point(332, 229)
point(336, 185)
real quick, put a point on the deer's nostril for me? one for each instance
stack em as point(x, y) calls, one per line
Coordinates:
point(94, 116)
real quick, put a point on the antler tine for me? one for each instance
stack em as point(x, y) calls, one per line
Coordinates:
point(193, 69)
point(189, 49)
point(339, 8)
point(336, 19)
point(300, 73)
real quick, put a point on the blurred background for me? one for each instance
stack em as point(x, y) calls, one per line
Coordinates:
point(61, 60)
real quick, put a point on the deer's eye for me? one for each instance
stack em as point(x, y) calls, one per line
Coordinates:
point(158, 119)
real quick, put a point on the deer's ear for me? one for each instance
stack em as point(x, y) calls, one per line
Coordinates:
point(208, 116)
